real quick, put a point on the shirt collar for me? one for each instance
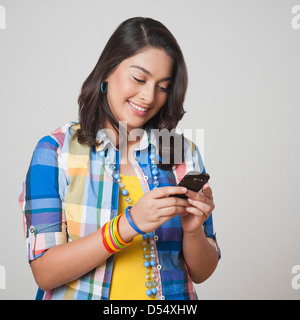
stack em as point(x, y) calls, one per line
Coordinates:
point(148, 138)
point(103, 139)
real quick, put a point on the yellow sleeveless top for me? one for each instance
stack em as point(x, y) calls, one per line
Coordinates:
point(129, 273)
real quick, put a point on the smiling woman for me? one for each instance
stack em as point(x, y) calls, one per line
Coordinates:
point(98, 228)
point(144, 51)
point(136, 95)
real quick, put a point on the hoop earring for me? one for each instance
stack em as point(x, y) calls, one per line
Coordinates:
point(106, 85)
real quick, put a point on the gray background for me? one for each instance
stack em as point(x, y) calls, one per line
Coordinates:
point(244, 76)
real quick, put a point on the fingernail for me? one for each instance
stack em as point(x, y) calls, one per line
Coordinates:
point(184, 189)
point(190, 200)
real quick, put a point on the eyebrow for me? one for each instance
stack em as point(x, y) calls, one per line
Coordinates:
point(149, 73)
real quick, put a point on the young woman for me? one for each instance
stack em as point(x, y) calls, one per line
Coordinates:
point(98, 219)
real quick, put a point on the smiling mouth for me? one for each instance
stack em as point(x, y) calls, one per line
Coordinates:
point(136, 107)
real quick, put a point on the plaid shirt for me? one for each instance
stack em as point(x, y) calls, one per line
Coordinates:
point(69, 193)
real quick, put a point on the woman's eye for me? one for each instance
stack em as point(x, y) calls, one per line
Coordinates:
point(143, 81)
point(138, 80)
point(163, 89)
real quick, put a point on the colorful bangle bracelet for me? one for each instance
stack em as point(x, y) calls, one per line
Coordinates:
point(116, 232)
point(108, 238)
point(104, 240)
point(127, 215)
point(111, 238)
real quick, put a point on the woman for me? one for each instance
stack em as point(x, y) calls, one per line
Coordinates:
point(98, 218)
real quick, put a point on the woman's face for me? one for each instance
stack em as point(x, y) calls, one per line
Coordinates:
point(138, 88)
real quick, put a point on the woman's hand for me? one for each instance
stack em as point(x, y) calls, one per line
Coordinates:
point(200, 207)
point(156, 207)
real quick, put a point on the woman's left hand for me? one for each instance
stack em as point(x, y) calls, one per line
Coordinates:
point(201, 207)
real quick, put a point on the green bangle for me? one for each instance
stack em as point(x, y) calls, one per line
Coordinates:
point(117, 243)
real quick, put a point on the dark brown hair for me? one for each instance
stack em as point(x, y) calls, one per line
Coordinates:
point(131, 37)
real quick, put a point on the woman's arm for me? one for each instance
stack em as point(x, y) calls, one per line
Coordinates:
point(200, 255)
point(199, 252)
point(67, 262)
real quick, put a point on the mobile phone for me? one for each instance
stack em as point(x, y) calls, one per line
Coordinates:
point(193, 180)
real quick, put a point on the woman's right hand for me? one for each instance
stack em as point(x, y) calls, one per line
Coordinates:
point(67, 262)
point(156, 207)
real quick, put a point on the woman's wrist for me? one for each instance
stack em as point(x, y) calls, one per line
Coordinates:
point(126, 232)
point(196, 234)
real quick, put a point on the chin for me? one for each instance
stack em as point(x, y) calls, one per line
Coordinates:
point(131, 126)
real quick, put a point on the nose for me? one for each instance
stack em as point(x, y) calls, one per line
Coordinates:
point(148, 94)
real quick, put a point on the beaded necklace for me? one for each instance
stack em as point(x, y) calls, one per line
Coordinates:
point(148, 238)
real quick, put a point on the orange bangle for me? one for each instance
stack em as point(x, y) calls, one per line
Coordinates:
point(107, 237)
point(116, 232)
point(104, 240)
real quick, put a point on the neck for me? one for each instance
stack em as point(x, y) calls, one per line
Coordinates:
point(121, 138)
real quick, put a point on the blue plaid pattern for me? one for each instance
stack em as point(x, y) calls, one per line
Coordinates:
point(69, 193)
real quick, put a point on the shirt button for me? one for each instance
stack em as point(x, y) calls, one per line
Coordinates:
point(163, 298)
point(32, 229)
point(156, 237)
point(159, 267)
point(146, 178)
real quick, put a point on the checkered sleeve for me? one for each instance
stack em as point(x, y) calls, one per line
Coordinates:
point(208, 224)
point(41, 202)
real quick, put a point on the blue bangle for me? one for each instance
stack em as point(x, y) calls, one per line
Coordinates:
point(127, 215)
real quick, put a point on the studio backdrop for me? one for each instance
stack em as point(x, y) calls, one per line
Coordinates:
point(243, 98)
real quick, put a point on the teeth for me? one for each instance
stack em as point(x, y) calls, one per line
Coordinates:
point(137, 107)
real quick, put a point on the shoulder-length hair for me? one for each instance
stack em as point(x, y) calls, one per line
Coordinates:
point(131, 37)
